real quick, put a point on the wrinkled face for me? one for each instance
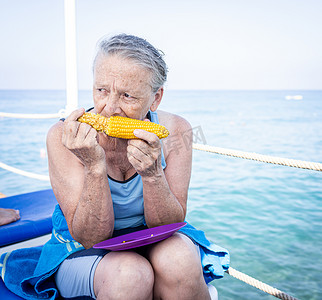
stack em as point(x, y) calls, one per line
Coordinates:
point(123, 88)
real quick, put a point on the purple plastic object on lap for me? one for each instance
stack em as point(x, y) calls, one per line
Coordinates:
point(140, 238)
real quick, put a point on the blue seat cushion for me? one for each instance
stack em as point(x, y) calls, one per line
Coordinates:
point(36, 209)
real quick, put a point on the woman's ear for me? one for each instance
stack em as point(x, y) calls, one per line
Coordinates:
point(157, 99)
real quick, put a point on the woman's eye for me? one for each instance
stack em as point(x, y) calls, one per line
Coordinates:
point(128, 96)
point(102, 92)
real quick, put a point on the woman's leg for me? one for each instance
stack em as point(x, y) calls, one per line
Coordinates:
point(124, 275)
point(177, 269)
point(97, 273)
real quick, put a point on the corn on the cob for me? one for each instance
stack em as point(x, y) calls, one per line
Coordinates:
point(122, 127)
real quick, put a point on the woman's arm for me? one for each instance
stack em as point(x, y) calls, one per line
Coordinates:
point(165, 191)
point(77, 170)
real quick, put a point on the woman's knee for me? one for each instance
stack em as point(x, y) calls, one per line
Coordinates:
point(177, 258)
point(120, 273)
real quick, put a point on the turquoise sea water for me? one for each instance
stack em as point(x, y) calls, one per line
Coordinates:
point(268, 216)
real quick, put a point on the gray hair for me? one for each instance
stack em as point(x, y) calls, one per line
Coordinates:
point(138, 50)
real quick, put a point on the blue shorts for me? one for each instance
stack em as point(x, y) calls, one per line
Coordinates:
point(75, 276)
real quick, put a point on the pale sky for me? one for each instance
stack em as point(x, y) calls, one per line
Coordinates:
point(208, 44)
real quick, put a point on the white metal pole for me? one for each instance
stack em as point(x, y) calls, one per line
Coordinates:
point(71, 58)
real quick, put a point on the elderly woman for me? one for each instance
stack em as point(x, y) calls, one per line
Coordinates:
point(108, 186)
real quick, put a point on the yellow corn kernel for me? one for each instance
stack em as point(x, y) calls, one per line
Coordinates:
point(97, 121)
point(122, 127)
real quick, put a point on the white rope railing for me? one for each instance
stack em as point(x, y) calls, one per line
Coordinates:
point(259, 285)
point(24, 173)
point(241, 154)
point(60, 114)
point(260, 157)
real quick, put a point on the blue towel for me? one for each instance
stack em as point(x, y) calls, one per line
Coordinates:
point(29, 272)
point(214, 259)
point(6, 294)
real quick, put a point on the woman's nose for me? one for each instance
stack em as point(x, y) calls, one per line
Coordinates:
point(112, 105)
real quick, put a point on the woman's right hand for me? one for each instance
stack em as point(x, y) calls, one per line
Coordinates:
point(82, 140)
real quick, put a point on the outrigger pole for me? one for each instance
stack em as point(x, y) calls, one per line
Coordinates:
point(71, 58)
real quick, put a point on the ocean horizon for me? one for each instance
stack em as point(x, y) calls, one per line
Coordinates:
point(268, 216)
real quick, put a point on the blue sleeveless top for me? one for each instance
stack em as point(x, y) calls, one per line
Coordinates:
point(127, 196)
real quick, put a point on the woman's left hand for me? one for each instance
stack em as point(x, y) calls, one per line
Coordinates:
point(144, 153)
